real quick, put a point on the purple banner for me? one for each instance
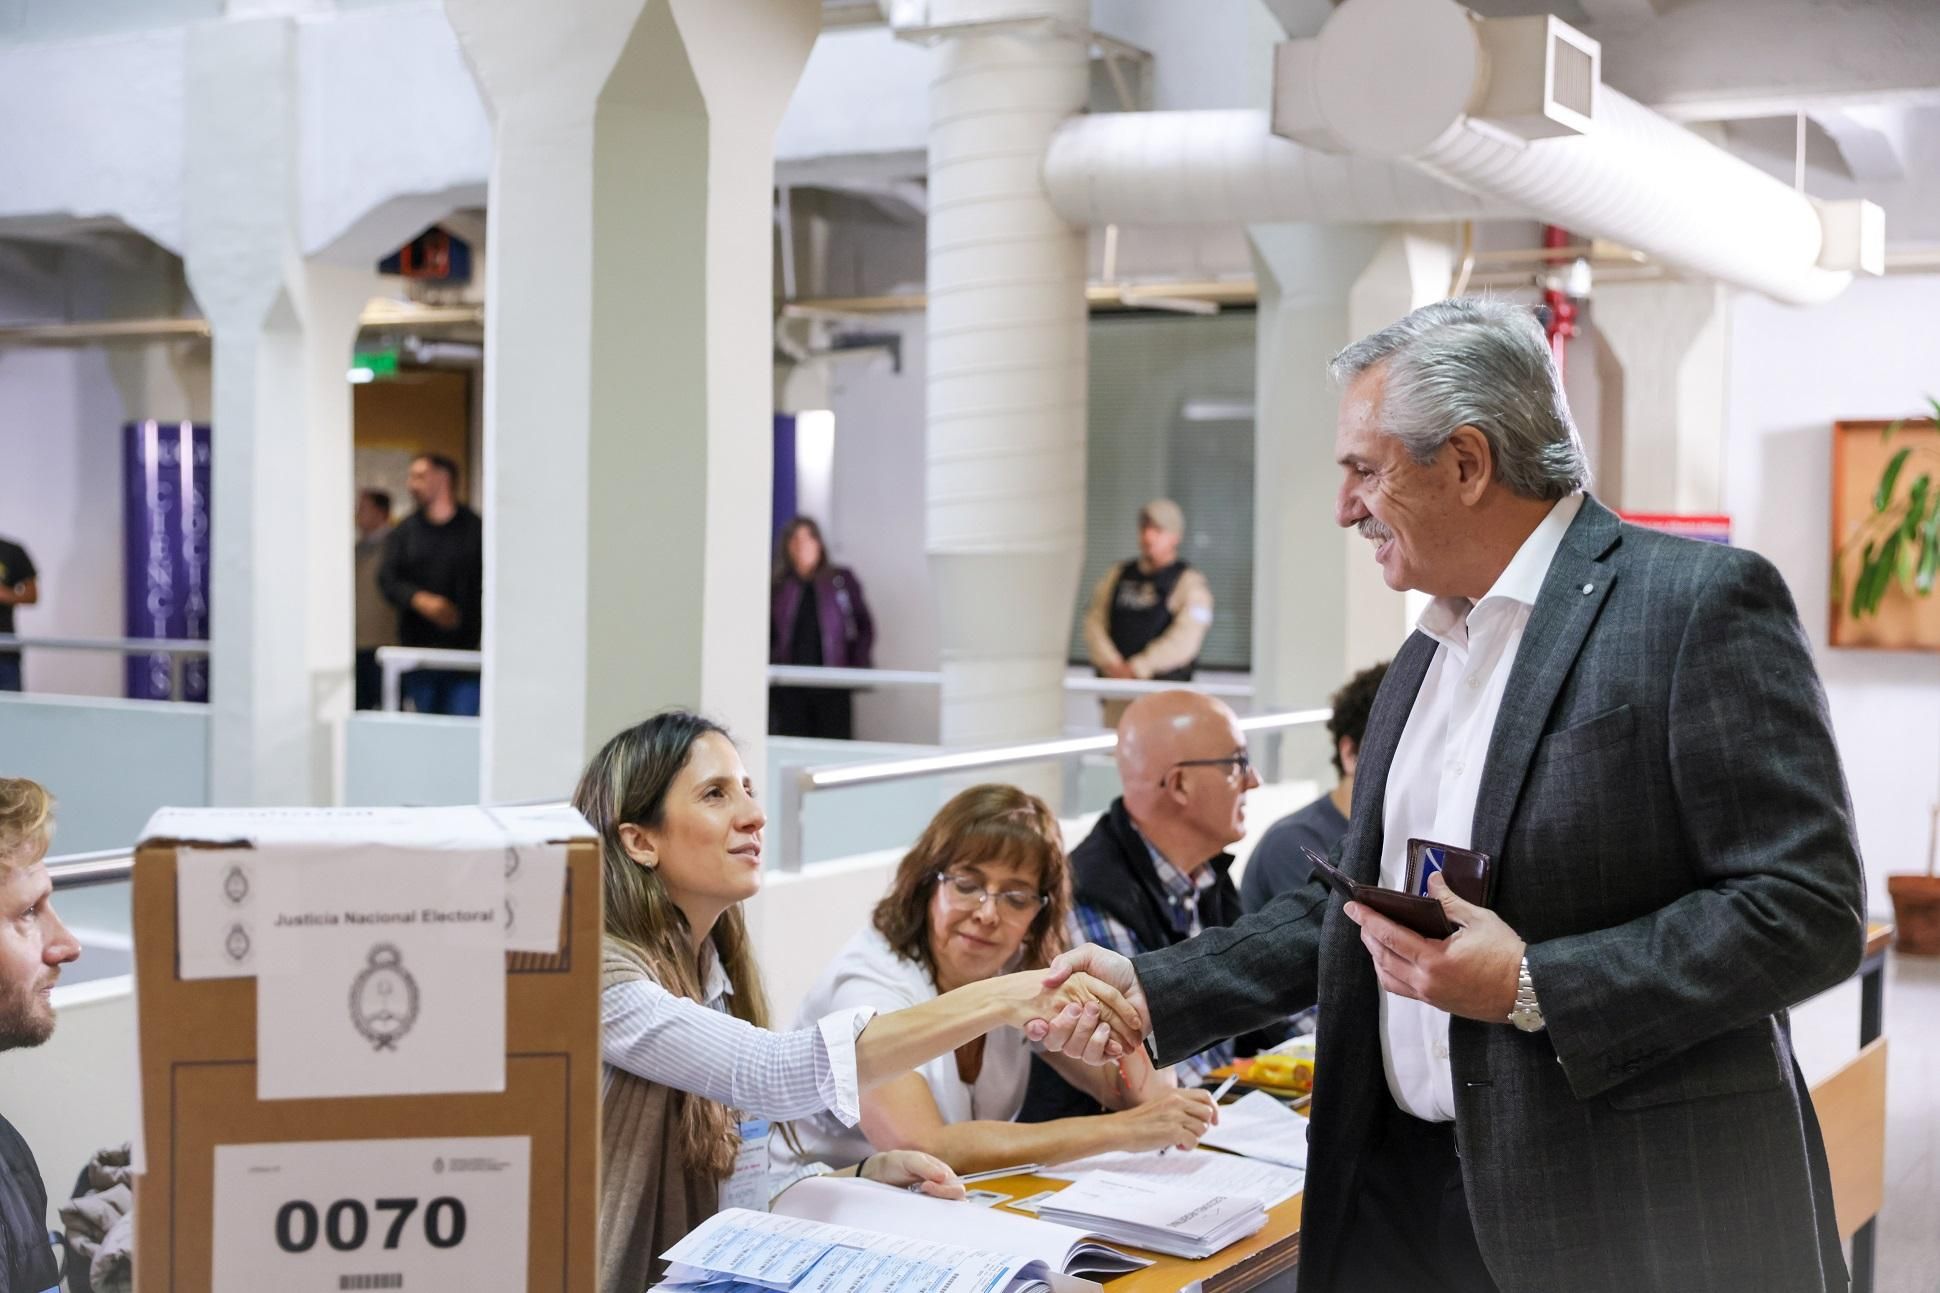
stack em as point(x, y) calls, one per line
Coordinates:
point(165, 527)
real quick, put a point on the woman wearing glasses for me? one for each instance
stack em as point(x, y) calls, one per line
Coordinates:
point(983, 893)
point(683, 1017)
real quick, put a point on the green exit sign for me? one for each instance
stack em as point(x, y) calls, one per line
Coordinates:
point(370, 365)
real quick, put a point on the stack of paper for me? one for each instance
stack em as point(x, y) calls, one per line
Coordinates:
point(738, 1251)
point(1259, 1126)
point(1201, 1171)
point(867, 1206)
point(1148, 1214)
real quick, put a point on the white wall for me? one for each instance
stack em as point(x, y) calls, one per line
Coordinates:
point(877, 525)
point(1868, 354)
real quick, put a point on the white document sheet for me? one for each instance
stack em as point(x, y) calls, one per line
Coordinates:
point(1203, 1171)
point(323, 1216)
point(214, 921)
point(789, 1253)
point(1159, 1215)
point(216, 910)
point(872, 1206)
point(1259, 1126)
point(381, 971)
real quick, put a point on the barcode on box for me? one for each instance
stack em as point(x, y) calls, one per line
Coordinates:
point(348, 1282)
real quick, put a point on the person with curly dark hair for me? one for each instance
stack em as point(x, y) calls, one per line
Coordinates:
point(1277, 865)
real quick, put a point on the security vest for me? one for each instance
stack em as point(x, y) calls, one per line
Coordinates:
point(1141, 611)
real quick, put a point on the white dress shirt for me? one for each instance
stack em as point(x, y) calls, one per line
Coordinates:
point(1437, 772)
point(701, 1048)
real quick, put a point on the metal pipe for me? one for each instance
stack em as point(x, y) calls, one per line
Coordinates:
point(1101, 295)
point(795, 789)
point(129, 646)
point(82, 870)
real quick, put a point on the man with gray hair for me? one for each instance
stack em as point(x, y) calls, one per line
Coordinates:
point(1589, 1085)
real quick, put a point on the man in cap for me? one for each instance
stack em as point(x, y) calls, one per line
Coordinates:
point(1149, 616)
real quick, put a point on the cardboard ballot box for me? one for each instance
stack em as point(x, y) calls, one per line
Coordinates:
point(317, 1109)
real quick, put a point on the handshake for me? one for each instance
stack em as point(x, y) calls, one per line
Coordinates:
point(1087, 1005)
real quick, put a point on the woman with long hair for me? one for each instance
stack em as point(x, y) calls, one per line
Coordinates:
point(984, 893)
point(817, 615)
point(683, 1015)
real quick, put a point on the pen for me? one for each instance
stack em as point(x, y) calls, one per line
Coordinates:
point(1219, 1093)
point(1018, 1170)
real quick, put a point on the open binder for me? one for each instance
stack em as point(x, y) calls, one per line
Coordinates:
point(863, 1237)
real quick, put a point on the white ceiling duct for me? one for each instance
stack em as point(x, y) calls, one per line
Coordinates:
point(1229, 167)
point(1514, 110)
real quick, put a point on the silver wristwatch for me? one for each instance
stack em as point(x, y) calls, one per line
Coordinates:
point(1527, 1015)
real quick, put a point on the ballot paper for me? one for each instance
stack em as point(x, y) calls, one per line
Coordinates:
point(1156, 1215)
point(867, 1205)
point(381, 971)
point(1201, 1170)
point(1259, 1126)
point(743, 1251)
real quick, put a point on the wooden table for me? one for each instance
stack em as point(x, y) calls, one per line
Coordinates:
point(1872, 1019)
point(1274, 1249)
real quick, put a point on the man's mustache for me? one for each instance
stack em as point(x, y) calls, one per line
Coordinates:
point(1370, 528)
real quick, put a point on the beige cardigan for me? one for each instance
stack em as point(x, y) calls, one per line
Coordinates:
point(648, 1198)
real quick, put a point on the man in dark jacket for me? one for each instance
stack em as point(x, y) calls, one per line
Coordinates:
point(34, 945)
point(434, 573)
point(1154, 870)
point(1590, 1084)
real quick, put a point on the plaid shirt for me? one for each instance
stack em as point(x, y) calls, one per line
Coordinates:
point(1089, 925)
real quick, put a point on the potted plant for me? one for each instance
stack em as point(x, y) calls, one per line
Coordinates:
point(1899, 545)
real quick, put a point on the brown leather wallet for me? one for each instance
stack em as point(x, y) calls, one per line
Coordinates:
point(1423, 915)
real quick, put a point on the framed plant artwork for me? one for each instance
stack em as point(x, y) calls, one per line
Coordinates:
point(1886, 535)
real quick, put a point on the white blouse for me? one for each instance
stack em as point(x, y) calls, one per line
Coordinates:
point(701, 1048)
point(867, 974)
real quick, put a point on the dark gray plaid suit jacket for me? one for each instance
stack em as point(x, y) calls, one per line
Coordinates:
point(1673, 839)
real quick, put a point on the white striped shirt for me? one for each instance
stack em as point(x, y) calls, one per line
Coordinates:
point(701, 1048)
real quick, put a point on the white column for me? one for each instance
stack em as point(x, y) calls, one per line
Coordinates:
point(1006, 335)
point(628, 377)
point(280, 621)
point(1666, 452)
point(1320, 607)
point(333, 299)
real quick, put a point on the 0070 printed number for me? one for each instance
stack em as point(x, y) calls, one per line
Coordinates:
point(346, 1224)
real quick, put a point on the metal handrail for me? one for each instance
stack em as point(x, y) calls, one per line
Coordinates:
point(394, 661)
point(79, 870)
point(817, 675)
point(175, 648)
point(127, 646)
point(796, 788)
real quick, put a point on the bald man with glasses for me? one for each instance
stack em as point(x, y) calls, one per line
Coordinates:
point(1154, 870)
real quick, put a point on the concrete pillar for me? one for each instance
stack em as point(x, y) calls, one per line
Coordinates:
point(280, 621)
point(1006, 336)
point(628, 384)
point(1665, 453)
point(1320, 608)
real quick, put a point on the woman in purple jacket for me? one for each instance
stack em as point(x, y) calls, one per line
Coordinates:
point(816, 617)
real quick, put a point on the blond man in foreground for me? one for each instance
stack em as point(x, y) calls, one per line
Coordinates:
point(34, 945)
